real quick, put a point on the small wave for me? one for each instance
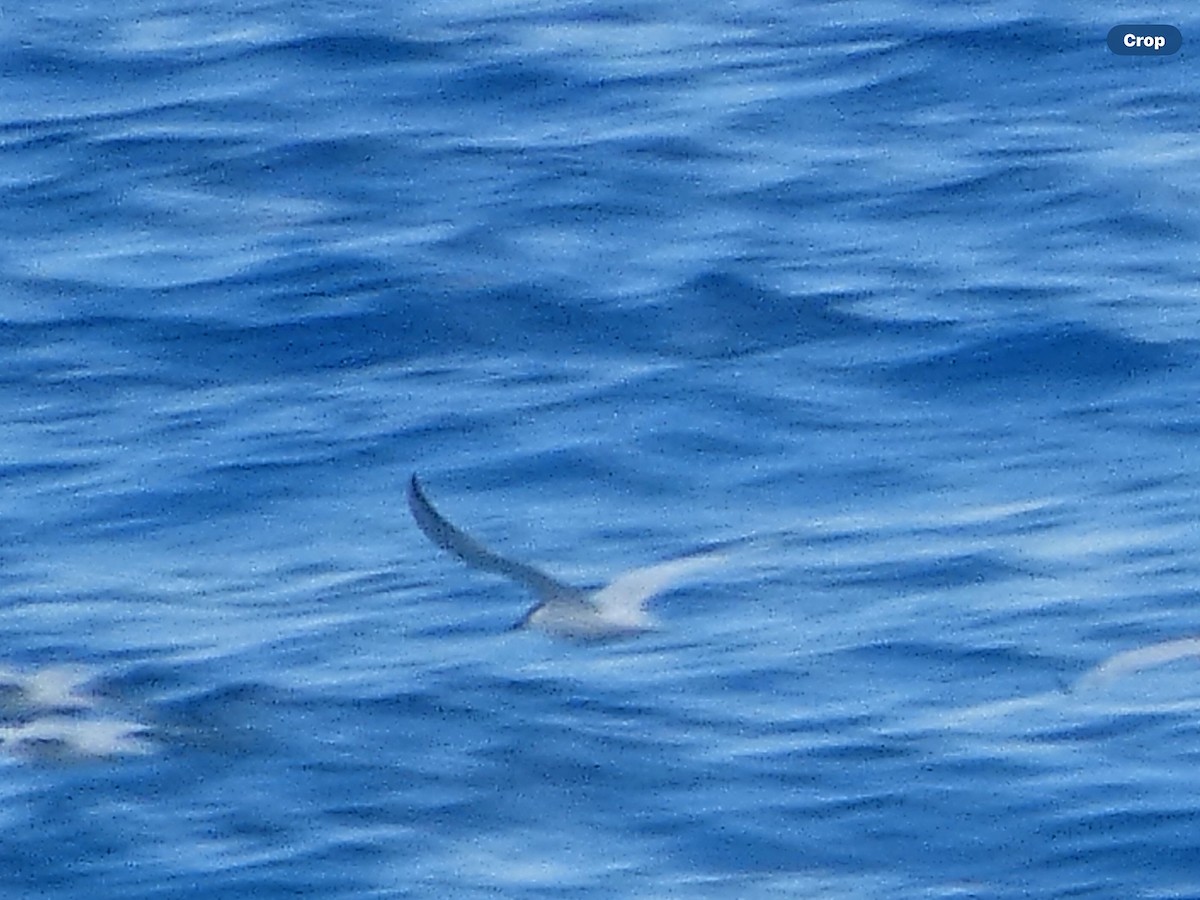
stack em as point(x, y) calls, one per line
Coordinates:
point(1056, 360)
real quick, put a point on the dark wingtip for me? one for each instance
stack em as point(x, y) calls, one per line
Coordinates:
point(523, 623)
point(416, 497)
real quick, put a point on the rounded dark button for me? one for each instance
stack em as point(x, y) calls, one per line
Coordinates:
point(1144, 40)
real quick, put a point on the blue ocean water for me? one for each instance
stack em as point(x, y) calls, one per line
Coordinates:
point(903, 298)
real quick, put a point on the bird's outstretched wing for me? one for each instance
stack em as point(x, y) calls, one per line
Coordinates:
point(473, 553)
point(1130, 661)
point(624, 599)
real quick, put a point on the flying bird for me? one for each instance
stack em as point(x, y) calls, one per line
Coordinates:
point(615, 611)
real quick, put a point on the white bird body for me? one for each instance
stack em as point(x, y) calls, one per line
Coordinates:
point(615, 611)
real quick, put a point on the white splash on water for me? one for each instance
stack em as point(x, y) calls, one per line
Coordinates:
point(53, 713)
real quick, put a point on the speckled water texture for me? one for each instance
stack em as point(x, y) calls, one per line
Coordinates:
point(901, 299)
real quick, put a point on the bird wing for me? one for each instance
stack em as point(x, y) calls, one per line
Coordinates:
point(473, 553)
point(1131, 661)
point(624, 599)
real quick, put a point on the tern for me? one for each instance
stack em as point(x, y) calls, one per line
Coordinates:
point(612, 612)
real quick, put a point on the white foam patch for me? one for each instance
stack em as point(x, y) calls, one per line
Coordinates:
point(55, 687)
point(64, 737)
point(52, 713)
